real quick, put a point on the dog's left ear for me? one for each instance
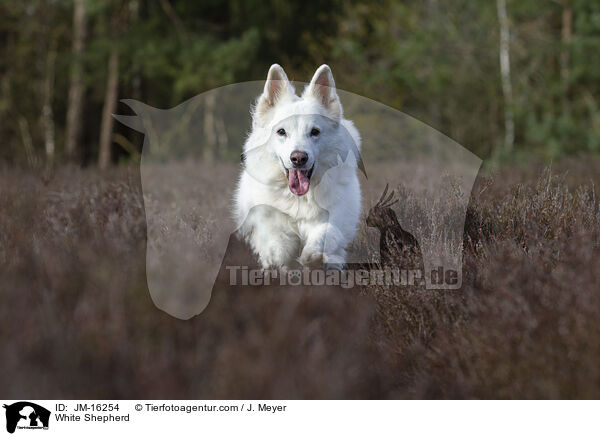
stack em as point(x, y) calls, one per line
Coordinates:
point(322, 87)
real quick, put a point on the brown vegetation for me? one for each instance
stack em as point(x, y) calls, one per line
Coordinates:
point(77, 320)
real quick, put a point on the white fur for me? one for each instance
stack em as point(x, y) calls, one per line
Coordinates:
point(281, 227)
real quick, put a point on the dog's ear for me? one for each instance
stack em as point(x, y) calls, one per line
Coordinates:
point(322, 87)
point(276, 86)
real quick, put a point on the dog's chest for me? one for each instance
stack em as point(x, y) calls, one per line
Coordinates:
point(303, 208)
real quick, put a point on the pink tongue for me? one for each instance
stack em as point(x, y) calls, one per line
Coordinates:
point(298, 182)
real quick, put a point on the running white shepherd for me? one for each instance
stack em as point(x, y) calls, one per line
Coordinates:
point(298, 198)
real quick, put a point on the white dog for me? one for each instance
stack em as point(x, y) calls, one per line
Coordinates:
point(298, 198)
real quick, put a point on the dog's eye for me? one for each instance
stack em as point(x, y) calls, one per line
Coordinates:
point(315, 132)
point(281, 132)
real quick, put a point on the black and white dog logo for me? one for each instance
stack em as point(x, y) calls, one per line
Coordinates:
point(26, 415)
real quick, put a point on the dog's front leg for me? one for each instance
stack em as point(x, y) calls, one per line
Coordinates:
point(324, 247)
point(274, 253)
point(271, 237)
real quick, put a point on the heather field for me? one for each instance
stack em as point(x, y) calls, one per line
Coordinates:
point(77, 320)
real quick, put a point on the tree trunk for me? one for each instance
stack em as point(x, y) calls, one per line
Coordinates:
point(567, 31)
point(47, 118)
point(76, 87)
point(27, 141)
point(221, 133)
point(210, 133)
point(136, 81)
point(433, 107)
point(509, 121)
point(110, 104)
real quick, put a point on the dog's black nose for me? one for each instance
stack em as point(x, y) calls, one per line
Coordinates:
point(299, 158)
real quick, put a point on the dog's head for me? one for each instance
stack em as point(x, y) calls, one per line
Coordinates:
point(298, 132)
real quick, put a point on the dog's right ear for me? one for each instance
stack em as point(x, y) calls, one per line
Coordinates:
point(276, 87)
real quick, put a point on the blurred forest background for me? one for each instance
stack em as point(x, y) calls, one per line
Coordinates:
point(507, 79)
point(516, 82)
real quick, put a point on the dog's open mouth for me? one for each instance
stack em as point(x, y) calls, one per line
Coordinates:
point(299, 179)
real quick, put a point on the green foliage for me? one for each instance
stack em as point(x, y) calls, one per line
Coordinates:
point(437, 61)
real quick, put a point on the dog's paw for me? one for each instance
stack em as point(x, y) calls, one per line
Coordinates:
point(274, 257)
point(311, 259)
point(334, 261)
point(339, 266)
